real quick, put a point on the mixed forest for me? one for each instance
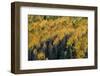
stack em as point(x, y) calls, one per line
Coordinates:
point(57, 37)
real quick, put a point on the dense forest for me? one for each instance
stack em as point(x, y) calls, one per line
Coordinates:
point(57, 37)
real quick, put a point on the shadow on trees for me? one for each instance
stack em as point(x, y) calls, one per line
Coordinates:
point(48, 51)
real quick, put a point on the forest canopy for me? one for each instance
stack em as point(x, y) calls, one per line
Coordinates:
point(67, 35)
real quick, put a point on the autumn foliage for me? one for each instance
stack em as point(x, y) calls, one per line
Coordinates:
point(74, 30)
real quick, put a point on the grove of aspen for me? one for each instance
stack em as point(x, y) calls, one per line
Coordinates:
point(57, 37)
